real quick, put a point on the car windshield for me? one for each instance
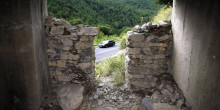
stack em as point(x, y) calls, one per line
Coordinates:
point(104, 42)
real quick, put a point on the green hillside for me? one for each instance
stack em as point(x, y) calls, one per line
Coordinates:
point(112, 16)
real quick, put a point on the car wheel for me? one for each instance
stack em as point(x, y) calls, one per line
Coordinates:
point(106, 45)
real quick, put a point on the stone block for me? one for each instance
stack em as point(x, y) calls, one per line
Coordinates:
point(84, 65)
point(139, 107)
point(157, 45)
point(66, 36)
point(162, 71)
point(132, 61)
point(160, 56)
point(67, 48)
point(134, 50)
point(66, 24)
point(70, 96)
point(134, 56)
point(50, 51)
point(83, 45)
point(67, 42)
point(164, 106)
point(68, 56)
point(164, 23)
point(151, 66)
point(61, 63)
point(147, 49)
point(73, 62)
point(84, 38)
point(58, 63)
point(61, 77)
point(86, 59)
point(132, 76)
point(148, 61)
point(72, 37)
point(135, 37)
point(137, 70)
point(162, 49)
point(151, 39)
point(136, 45)
point(140, 83)
point(52, 63)
point(165, 37)
point(57, 30)
point(89, 31)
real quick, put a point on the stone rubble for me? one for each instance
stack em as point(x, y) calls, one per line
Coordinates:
point(111, 97)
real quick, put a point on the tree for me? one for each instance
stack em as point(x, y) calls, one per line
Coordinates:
point(165, 2)
point(75, 21)
point(110, 15)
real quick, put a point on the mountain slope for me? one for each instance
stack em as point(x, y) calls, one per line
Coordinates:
point(111, 15)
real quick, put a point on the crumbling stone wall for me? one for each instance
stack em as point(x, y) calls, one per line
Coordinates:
point(148, 55)
point(148, 63)
point(69, 47)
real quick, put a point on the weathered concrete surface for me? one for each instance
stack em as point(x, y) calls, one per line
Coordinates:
point(196, 54)
point(23, 60)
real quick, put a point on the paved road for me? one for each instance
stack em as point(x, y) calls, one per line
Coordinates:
point(103, 53)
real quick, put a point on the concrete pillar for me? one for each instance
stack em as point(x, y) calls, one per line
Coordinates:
point(196, 51)
point(23, 60)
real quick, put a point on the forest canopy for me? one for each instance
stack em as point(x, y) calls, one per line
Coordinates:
point(112, 16)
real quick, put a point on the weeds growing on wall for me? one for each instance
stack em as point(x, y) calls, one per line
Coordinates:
point(112, 66)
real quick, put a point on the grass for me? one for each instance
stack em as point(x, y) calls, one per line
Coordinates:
point(163, 14)
point(123, 42)
point(112, 66)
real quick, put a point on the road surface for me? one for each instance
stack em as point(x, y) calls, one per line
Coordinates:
point(103, 53)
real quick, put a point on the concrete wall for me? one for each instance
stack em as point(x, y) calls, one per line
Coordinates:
point(23, 60)
point(196, 54)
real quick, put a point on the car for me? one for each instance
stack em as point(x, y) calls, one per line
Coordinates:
point(107, 43)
